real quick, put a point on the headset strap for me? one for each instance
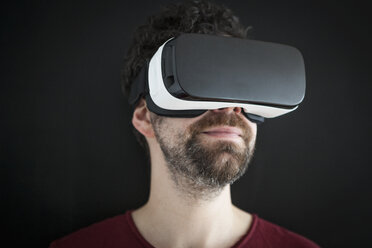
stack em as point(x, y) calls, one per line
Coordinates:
point(139, 86)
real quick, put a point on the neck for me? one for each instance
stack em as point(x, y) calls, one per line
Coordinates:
point(171, 218)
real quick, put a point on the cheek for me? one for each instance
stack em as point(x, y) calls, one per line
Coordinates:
point(182, 126)
point(175, 128)
point(254, 129)
point(254, 133)
point(183, 123)
point(252, 126)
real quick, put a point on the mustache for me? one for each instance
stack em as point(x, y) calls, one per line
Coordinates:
point(211, 120)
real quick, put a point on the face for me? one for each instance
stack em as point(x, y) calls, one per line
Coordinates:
point(207, 152)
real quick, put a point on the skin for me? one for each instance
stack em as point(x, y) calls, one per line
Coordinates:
point(170, 218)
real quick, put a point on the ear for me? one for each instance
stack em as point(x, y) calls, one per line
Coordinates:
point(141, 120)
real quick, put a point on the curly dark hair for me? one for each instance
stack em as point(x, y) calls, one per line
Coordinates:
point(193, 16)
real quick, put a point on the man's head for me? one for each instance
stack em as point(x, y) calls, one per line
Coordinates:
point(206, 152)
point(194, 16)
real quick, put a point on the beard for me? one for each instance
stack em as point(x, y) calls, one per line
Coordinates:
point(201, 168)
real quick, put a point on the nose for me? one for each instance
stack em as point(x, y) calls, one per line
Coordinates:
point(228, 110)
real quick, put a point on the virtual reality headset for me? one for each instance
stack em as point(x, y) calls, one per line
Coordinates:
point(193, 73)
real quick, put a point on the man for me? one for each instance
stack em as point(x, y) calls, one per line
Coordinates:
point(193, 160)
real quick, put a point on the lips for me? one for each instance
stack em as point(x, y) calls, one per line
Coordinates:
point(224, 132)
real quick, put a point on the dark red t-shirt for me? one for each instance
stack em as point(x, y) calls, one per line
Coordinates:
point(120, 231)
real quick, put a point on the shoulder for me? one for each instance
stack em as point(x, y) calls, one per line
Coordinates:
point(111, 232)
point(266, 234)
point(281, 235)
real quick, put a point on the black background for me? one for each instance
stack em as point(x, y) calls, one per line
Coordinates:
point(69, 159)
